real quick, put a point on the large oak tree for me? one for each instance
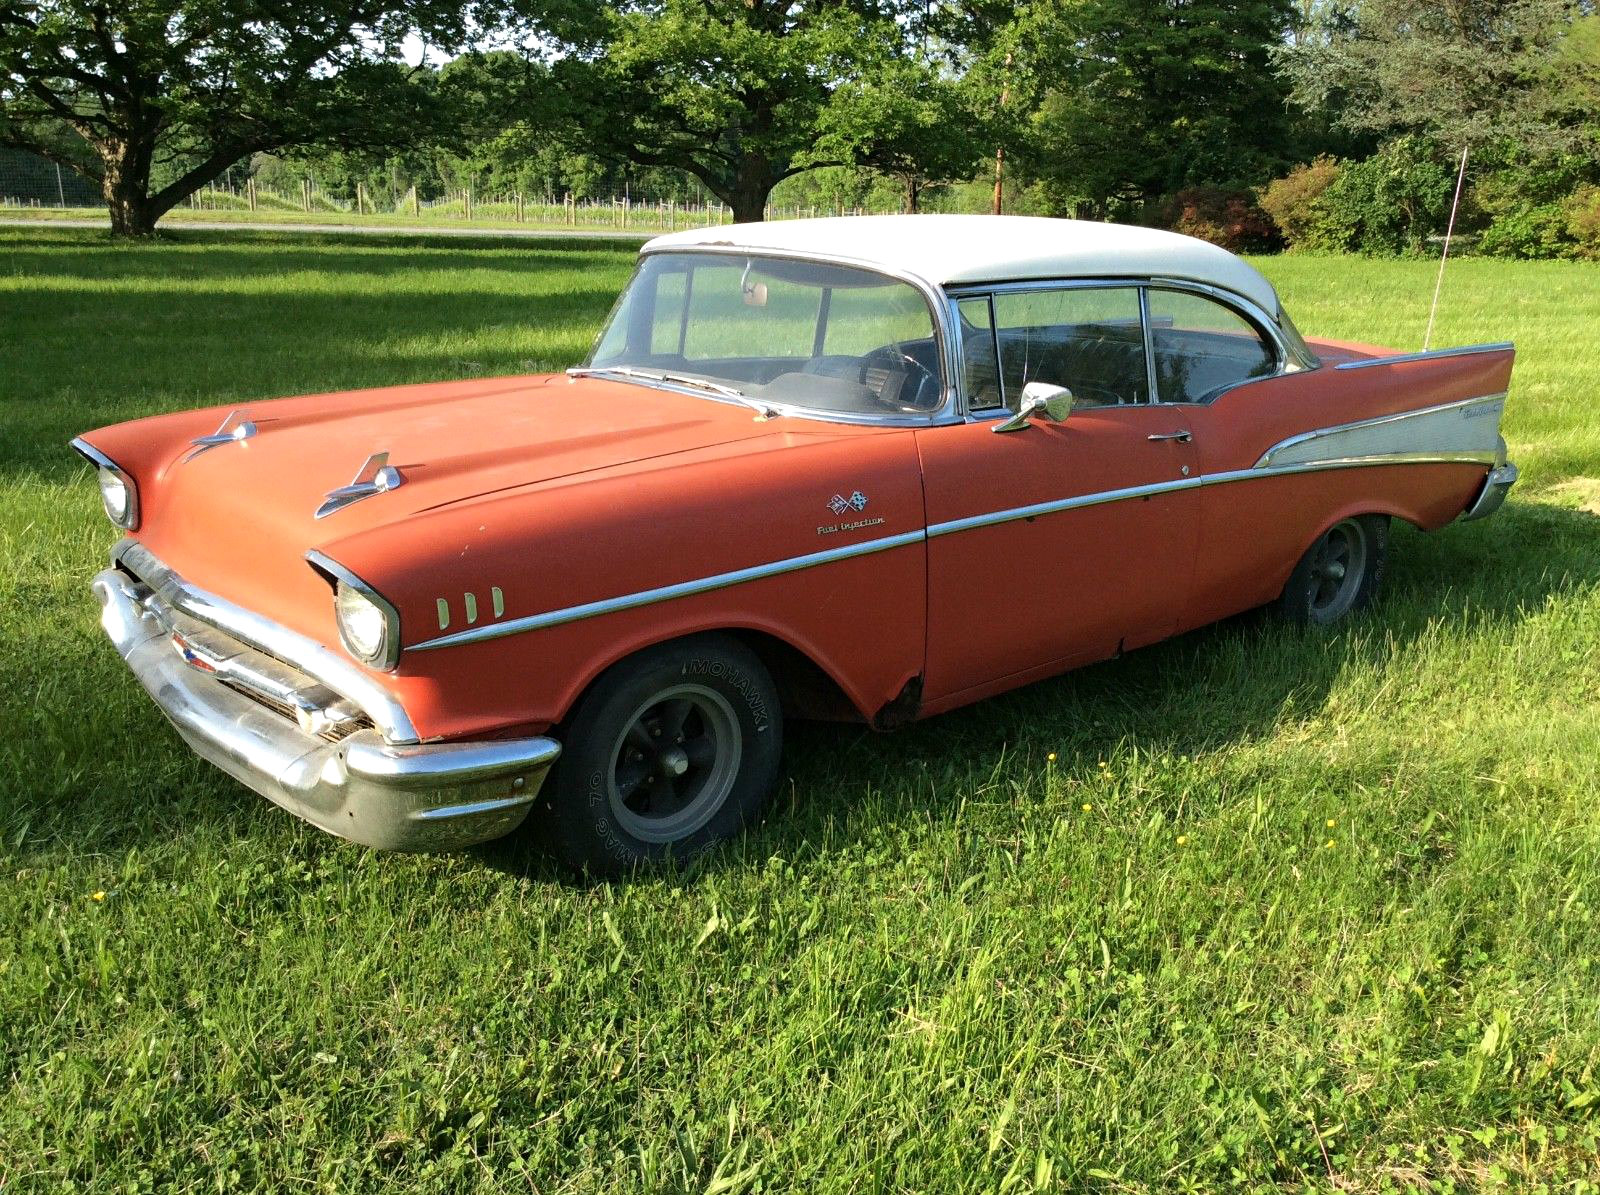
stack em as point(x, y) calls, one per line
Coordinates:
point(745, 93)
point(153, 99)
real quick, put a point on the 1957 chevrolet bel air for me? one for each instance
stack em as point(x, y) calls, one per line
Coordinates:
point(805, 471)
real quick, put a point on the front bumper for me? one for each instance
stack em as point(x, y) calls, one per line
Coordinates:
point(423, 796)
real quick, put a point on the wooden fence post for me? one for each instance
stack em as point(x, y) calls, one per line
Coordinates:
point(416, 204)
point(467, 197)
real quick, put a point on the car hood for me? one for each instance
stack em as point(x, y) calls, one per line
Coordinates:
point(244, 512)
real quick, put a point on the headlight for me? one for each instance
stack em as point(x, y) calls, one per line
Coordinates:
point(118, 494)
point(361, 622)
point(369, 626)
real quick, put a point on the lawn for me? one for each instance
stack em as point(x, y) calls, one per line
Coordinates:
point(1256, 908)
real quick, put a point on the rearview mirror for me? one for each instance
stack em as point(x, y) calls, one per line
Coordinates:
point(1040, 400)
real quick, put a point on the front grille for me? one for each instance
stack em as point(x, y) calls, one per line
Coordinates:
point(264, 678)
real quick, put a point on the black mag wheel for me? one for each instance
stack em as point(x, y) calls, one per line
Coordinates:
point(1339, 573)
point(674, 763)
point(668, 753)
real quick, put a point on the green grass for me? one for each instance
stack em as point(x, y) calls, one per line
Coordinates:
point(1286, 910)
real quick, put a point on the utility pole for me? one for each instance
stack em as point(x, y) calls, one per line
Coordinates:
point(1000, 150)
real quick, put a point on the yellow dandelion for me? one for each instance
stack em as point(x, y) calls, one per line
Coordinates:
point(1103, 763)
point(101, 895)
point(1051, 758)
point(1328, 845)
point(1332, 822)
point(1088, 808)
point(1183, 840)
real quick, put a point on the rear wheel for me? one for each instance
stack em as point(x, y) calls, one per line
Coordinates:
point(668, 753)
point(1340, 573)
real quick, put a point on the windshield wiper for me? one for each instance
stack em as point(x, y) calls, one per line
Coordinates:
point(677, 379)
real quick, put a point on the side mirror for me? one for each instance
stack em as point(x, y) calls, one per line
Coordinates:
point(1040, 400)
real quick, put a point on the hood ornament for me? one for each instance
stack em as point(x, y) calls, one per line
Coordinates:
point(377, 476)
point(233, 427)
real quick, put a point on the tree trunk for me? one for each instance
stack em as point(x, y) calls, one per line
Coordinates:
point(125, 185)
point(747, 195)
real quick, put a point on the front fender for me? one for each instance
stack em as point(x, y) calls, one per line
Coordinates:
point(511, 604)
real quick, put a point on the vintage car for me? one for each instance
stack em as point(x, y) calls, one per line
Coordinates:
point(820, 468)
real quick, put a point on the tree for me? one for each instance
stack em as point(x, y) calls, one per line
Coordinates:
point(1460, 72)
point(1140, 98)
point(740, 93)
point(153, 99)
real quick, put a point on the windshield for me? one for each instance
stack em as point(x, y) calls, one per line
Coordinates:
point(773, 330)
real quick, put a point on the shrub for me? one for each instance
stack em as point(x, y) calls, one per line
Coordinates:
point(1291, 201)
point(1528, 231)
point(1225, 217)
point(1389, 203)
point(1583, 221)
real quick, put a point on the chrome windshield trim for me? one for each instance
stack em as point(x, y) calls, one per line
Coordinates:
point(1466, 350)
point(649, 597)
point(943, 331)
point(1397, 417)
point(320, 663)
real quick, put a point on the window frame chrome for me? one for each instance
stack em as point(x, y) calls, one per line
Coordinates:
point(1288, 359)
point(946, 339)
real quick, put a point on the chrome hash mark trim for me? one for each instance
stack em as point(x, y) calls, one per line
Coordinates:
point(1465, 350)
point(648, 597)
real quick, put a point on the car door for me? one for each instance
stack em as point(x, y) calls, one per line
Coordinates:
point(1057, 543)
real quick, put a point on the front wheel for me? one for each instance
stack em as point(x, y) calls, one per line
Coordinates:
point(670, 752)
point(1340, 572)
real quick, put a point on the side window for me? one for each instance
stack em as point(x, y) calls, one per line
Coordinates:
point(1088, 339)
point(1202, 346)
point(979, 370)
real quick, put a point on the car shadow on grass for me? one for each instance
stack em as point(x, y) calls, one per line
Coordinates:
point(1203, 692)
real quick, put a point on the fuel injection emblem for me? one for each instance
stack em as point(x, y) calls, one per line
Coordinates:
point(841, 507)
point(469, 602)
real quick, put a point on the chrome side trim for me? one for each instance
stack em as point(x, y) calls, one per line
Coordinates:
point(649, 597)
point(1406, 426)
point(1465, 350)
point(1033, 511)
point(321, 663)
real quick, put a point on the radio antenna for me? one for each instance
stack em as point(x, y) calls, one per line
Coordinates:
point(1461, 174)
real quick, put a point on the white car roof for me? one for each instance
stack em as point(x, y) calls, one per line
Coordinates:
point(952, 249)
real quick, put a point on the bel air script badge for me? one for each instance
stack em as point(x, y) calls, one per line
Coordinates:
point(840, 505)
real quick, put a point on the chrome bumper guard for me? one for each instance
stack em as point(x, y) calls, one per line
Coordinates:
point(419, 796)
point(1495, 488)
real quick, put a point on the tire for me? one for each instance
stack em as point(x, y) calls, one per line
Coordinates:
point(621, 796)
point(1340, 573)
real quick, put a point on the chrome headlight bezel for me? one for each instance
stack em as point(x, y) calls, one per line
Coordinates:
point(109, 473)
point(352, 594)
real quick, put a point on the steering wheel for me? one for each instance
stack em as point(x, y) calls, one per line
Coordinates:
point(893, 357)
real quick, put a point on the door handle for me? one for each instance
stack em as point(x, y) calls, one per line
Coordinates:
point(1183, 437)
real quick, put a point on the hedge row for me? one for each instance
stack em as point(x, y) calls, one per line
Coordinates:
point(1397, 200)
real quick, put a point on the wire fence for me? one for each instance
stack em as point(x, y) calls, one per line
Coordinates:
point(32, 183)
